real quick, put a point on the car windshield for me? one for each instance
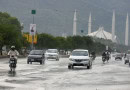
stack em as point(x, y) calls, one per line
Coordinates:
point(118, 55)
point(79, 53)
point(128, 52)
point(52, 51)
point(36, 52)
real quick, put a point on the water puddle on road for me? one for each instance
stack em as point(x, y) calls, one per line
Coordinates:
point(6, 88)
point(12, 74)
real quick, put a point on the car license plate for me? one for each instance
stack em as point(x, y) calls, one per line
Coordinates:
point(32, 59)
point(11, 62)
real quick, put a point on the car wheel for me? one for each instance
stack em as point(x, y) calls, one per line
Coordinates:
point(125, 62)
point(88, 67)
point(91, 66)
point(41, 62)
point(69, 66)
point(72, 66)
point(57, 59)
point(27, 62)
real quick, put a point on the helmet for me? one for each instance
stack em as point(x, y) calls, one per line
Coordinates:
point(12, 47)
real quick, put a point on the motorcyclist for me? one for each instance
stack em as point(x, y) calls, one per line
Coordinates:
point(104, 54)
point(13, 52)
point(125, 55)
point(107, 55)
point(93, 55)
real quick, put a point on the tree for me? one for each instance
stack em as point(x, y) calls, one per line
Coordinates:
point(69, 43)
point(10, 36)
point(10, 31)
point(88, 43)
point(46, 41)
point(61, 42)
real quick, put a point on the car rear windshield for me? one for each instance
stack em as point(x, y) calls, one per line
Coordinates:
point(79, 53)
point(128, 52)
point(36, 52)
point(52, 51)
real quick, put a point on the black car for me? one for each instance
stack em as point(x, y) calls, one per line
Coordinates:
point(36, 56)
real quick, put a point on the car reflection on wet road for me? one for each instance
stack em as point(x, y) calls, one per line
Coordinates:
point(55, 75)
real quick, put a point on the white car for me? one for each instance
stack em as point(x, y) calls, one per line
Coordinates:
point(79, 57)
point(52, 54)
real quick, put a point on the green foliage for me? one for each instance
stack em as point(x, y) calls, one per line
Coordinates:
point(46, 41)
point(112, 46)
point(1, 39)
point(9, 35)
point(77, 42)
point(61, 42)
point(98, 47)
point(10, 31)
point(25, 42)
point(69, 43)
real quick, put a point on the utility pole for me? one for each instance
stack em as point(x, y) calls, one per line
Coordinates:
point(22, 28)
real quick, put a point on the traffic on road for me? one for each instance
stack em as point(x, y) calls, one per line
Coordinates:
point(57, 75)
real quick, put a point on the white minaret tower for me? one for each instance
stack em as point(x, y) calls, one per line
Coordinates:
point(89, 24)
point(113, 27)
point(127, 30)
point(75, 24)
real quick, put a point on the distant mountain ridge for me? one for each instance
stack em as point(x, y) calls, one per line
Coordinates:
point(56, 16)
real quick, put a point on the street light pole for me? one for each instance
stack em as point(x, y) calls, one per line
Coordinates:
point(22, 28)
point(33, 35)
point(33, 13)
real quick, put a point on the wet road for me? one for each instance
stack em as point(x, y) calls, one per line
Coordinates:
point(54, 75)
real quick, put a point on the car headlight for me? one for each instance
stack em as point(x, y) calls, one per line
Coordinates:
point(40, 57)
point(71, 59)
point(46, 55)
point(85, 59)
point(29, 57)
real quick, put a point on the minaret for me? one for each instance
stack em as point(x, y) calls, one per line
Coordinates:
point(75, 24)
point(89, 24)
point(113, 27)
point(127, 30)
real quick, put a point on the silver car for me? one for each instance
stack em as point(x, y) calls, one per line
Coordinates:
point(52, 54)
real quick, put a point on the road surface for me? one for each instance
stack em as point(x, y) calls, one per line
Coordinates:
point(54, 75)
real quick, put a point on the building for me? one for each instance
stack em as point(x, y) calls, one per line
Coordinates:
point(101, 33)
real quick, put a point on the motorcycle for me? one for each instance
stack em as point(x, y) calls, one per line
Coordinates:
point(103, 59)
point(12, 63)
point(107, 57)
point(92, 57)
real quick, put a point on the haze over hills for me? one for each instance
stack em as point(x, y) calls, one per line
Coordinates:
point(56, 16)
